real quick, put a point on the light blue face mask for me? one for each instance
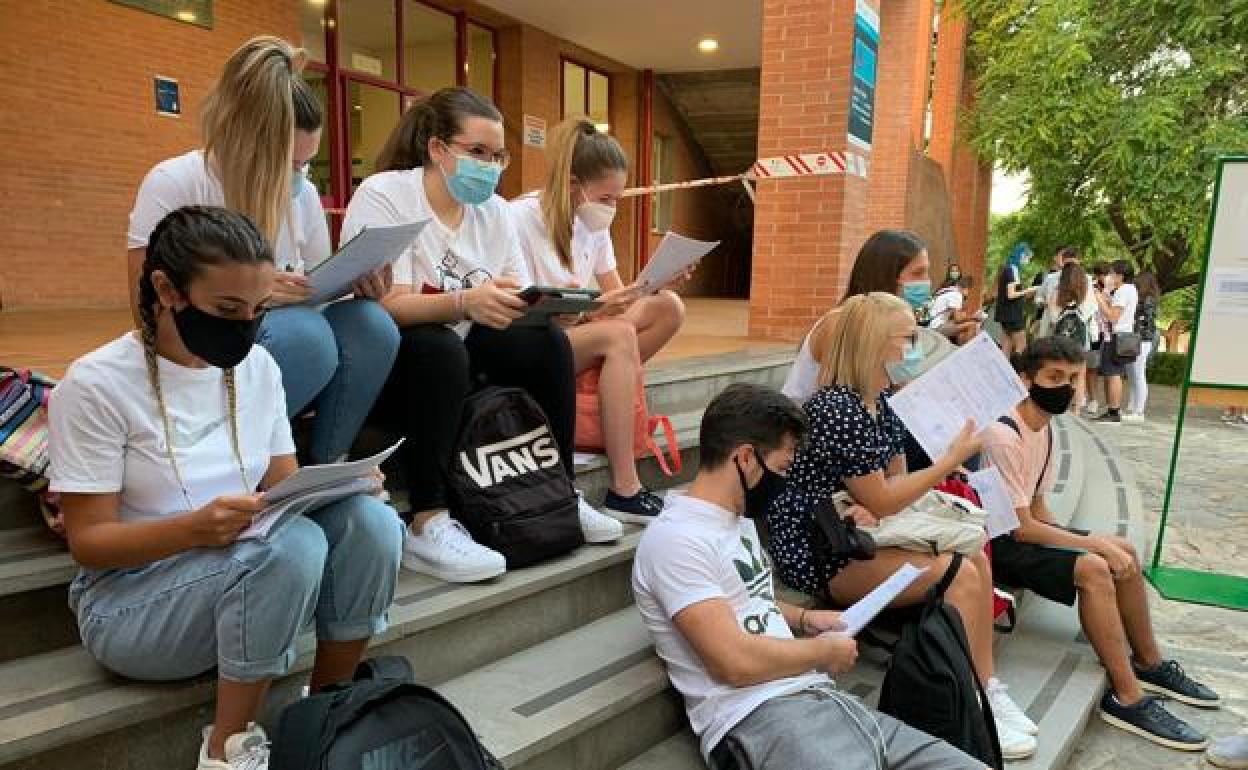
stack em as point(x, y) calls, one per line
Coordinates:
point(297, 178)
point(908, 368)
point(474, 181)
point(917, 293)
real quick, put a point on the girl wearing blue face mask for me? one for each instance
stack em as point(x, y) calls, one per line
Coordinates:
point(454, 300)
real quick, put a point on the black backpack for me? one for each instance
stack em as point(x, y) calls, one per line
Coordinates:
point(382, 721)
point(507, 484)
point(1072, 326)
point(931, 683)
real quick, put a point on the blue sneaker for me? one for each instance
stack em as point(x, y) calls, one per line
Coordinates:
point(1169, 679)
point(641, 508)
point(1149, 719)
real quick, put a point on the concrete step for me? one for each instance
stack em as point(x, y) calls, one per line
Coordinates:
point(64, 703)
point(688, 384)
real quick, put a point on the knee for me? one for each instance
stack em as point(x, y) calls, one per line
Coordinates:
point(295, 558)
point(304, 336)
point(966, 584)
point(670, 306)
point(620, 336)
point(368, 322)
point(366, 528)
point(1092, 573)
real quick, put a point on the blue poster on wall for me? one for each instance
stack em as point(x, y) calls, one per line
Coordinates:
point(862, 89)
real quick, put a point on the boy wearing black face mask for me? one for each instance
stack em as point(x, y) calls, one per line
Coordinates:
point(756, 696)
point(1102, 572)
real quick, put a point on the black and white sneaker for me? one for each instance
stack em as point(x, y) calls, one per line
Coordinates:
point(641, 508)
point(1149, 719)
point(1169, 679)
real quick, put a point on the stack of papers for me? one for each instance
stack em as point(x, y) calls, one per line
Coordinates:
point(864, 611)
point(314, 487)
point(675, 255)
point(370, 250)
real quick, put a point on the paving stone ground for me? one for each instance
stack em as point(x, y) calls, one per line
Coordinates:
point(1208, 530)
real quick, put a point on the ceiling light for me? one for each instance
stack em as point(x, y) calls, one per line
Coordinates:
point(358, 107)
point(708, 45)
point(602, 128)
point(186, 16)
point(319, 3)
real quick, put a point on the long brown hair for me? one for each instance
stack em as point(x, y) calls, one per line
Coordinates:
point(1146, 286)
point(881, 260)
point(1072, 285)
point(580, 152)
point(438, 116)
point(248, 123)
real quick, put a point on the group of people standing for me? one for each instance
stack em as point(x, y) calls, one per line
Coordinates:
point(163, 440)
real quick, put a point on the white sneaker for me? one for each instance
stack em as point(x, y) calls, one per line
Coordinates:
point(597, 527)
point(1014, 744)
point(445, 550)
point(1006, 710)
point(243, 751)
point(1092, 409)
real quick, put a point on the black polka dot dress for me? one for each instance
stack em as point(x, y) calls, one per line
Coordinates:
point(845, 441)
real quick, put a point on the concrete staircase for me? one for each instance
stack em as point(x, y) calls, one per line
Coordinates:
point(549, 663)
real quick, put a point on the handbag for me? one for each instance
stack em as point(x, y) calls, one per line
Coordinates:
point(24, 397)
point(1126, 347)
point(935, 523)
point(589, 436)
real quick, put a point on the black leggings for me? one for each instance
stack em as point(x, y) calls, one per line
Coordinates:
point(436, 371)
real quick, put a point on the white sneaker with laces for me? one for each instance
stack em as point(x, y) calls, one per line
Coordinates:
point(1014, 744)
point(1006, 710)
point(243, 751)
point(445, 550)
point(1092, 408)
point(596, 526)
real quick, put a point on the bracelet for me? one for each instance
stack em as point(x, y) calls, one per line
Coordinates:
point(801, 621)
point(459, 305)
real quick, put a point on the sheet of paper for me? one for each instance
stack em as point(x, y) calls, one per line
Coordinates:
point(995, 497)
point(675, 254)
point(974, 382)
point(864, 611)
point(274, 516)
point(371, 249)
point(1230, 292)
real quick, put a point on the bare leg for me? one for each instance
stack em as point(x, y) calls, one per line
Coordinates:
point(966, 593)
point(657, 318)
point(1137, 620)
point(237, 706)
point(1093, 385)
point(335, 662)
point(1018, 342)
point(613, 343)
point(1113, 392)
point(1098, 614)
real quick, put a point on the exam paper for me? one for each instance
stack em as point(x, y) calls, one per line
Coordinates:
point(675, 254)
point(995, 498)
point(371, 249)
point(313, 487)
point(974, 382)
point(864, 611)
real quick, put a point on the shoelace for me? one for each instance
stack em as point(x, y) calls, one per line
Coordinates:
point(1173, 670)
point(1001, 701)
point(1158, 713)
point(454, 537)
point(255, 758)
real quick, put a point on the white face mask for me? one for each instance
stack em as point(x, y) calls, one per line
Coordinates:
point(595, 216)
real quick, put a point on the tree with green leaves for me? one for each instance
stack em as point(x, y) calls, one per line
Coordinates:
point(1117, 111)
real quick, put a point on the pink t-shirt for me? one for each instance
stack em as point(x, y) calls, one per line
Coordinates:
point(1020, 458)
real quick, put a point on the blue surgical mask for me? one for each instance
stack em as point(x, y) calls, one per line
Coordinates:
point(474, 181)
point(917, 293)
point(297, 178)
point(907, 369)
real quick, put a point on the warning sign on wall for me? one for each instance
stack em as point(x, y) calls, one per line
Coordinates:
point(534, 131)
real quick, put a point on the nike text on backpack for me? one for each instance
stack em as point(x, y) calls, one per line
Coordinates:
point(931, 683)
point(507, 484)
point(381, 721)
point(589, 436)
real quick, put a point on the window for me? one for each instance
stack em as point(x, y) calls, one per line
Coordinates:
point(480, 64)
point(661, 203)
point(587, 92)
point(429, 39)
point(312, 27)
point(366, 37)
point(374, 112)
point(318, 169)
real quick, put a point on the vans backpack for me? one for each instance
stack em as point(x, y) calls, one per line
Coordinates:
point(507, 484)
point(381, 721)
point(931, 683)
point(1070, 324)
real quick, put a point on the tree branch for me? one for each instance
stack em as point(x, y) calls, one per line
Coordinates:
point(1123, 228)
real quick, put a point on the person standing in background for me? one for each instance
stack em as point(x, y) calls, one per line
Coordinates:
point(1145, 326)
point(1117, 305)
point(1011, 295)
point(1098, 334)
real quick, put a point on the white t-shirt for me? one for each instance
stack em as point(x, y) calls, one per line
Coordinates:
point(944, 304)
point(1125, 297)
point(695, 551)
point(106, 434)
point(592, 253)
point(186, 181)
point(803, 378)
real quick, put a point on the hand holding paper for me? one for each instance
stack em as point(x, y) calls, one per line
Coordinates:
point(864, 611)
point(676, 255)
point(369, 251)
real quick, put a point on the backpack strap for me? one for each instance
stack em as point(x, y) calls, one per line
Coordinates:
point(1005, 419)
point(385, 667)
point(937, 592)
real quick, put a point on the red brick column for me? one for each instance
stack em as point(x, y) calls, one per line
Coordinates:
point(900, 108)
point(806, 232)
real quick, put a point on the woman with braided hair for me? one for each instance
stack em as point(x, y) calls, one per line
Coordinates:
point(161, 443)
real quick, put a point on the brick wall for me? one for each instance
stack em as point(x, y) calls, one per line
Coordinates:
point(78, 131)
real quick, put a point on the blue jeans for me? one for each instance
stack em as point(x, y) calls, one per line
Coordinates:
point(335, 359)
point(241, 607)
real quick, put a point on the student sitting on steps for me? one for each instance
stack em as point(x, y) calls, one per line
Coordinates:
point(1102, 572)
point(160, 443)
point(757, 697)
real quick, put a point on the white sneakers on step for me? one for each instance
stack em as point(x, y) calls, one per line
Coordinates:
point(595, 525)
point(445, 550)
point(1015, 730)
point(243, 751)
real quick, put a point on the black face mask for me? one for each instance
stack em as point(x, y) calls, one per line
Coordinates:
point(1054, 400)
point(759, 497)
point(220, 342)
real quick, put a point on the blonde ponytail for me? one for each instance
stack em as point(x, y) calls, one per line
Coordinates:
point(578, 151)
point(248, 123)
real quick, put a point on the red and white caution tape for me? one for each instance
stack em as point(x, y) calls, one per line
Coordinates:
point(779, 167)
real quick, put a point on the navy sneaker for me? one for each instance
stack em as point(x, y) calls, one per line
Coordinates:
point(1109, 417)
point(1149, 719)
point(641, 508)
point(1169, 679)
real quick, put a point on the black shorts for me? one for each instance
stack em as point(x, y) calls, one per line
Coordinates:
point(1012, 327)
point(1047, 570)
point(1110, 365)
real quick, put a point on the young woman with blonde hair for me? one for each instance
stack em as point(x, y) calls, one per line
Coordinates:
point(261, 126)
point(564, 230)
point(161, 443)
point(855, 444)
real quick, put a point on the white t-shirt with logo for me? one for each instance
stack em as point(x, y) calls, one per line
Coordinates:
point(592, 253)
point(695, 551)
point(944, 305)
point(1127, 298)
point(302, 241)
point(106, 435)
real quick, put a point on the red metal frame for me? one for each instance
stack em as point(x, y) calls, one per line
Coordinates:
point(645, 166)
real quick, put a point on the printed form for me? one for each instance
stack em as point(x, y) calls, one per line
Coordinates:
point(372, 249)
point(675, 254)
point(995, 496)
point(865, 609)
